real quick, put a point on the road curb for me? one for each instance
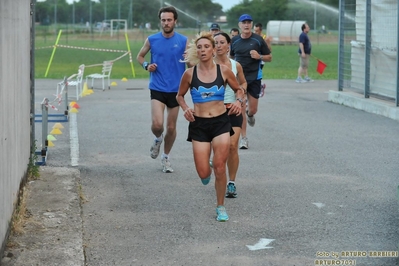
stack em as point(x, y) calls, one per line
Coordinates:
point(53, 232)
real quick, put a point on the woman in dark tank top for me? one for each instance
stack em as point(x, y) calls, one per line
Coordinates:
point(209, 121)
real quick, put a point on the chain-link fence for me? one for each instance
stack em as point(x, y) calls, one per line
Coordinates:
point(368, 54)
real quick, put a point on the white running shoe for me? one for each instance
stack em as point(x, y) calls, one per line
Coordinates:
point(167, 168)
point(154, 150)
point(250, 119)
point(244, 143)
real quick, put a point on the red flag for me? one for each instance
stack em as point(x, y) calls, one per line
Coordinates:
point(320, 67)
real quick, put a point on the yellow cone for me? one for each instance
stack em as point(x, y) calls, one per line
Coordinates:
point(85, 90)
point(74, 110)
point(72, 103)
point(113, 83)
point(56, 131)
point(58, 125)
point(51, 137)
point(124, 79)
point(50, 143)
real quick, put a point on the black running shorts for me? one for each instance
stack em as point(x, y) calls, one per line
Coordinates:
point(167, 98)
point(254, 88)
point(205, 129)
point(235, 120)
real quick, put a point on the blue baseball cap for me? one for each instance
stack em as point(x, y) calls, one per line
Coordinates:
point(245, 17)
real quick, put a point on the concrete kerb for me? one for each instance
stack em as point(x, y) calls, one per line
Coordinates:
point(53, 232)
point(374, 106)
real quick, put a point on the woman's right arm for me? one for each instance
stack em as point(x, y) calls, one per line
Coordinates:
point(183, 88)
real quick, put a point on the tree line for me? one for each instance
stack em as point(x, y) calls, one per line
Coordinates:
point(193, 12)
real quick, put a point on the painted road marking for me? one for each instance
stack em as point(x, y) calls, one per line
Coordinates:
point(262, 244)
point(74, 139)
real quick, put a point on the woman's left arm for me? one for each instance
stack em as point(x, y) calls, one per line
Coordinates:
point(231, 79)
point(241, 77)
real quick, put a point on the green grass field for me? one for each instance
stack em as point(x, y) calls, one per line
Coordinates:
point(66, 60)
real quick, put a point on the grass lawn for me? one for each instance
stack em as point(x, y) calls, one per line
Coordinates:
point(66, 60)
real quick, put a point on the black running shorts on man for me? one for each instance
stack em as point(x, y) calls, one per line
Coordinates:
point(167, 98)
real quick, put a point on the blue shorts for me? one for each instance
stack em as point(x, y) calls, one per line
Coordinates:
point(205, 129)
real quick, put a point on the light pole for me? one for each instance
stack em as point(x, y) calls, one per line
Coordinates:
point(119, 9)
point(105, 10)
point(90, 19)
point(315, 14)
point(55, 17)
point(73, 16)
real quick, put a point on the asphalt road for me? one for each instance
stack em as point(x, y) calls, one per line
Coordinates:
point(318, 179)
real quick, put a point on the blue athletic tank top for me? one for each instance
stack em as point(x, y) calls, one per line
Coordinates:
point(202, 92)
point(167, 53)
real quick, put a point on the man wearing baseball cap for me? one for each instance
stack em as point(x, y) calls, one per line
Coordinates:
point(214, 28)
point(249, 49)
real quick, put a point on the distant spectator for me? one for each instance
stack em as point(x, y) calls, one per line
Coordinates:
point(268, 39)
point(234, 32)
point(304, 51)
point(323, 29)
point(214, 28)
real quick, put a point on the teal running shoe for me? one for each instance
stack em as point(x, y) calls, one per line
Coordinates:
point(205, 181)
point(221, 214)
point(231, 191)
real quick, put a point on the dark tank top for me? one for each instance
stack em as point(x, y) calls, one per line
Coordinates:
point(202, 92)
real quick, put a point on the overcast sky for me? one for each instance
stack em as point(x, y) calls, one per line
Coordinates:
point(227, 4)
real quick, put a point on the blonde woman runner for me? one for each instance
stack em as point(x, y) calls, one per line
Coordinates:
point(209, 118)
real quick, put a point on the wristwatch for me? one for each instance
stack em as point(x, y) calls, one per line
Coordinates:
point(240, 100)
point(261, 57)
point(145, 65)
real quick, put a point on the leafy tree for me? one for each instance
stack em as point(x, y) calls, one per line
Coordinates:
point(42, 13)
point(261, 11)
point(204, 10)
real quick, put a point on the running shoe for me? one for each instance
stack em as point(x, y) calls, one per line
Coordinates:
point(251, 119)
point(221, 214)
point(155, 148)
point(262, 91)
point(307, 79)
point(167, 168)
point(231, 191)
point(244, 143)
point(299, 80)
point(205, 181)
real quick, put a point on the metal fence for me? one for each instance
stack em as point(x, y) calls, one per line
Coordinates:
point(368, 48)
